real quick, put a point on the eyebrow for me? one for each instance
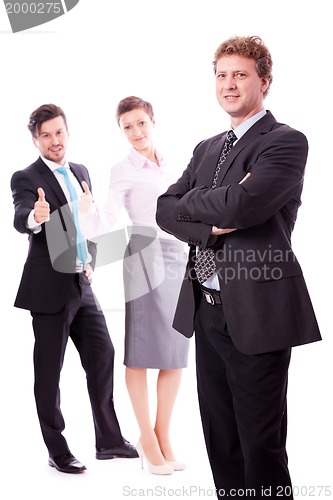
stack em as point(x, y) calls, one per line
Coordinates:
point(47, 132)
point(232, 71)
point(134, 122)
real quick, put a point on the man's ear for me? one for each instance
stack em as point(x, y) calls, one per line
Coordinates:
point(264, 84)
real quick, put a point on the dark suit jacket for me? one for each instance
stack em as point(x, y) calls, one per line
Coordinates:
point(48, 270)
point(265, 299)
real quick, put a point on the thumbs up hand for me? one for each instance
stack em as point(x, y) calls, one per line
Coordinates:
point(86, 199)
point(41, 208)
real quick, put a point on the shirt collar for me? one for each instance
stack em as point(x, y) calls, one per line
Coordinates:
point(244, 127)
point(53, 165)
point(141, 161)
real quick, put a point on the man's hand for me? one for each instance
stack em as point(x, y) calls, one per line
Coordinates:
point(41, 208)
point(245, 177)
point(88, 272)
point(217, 231)
point(85, 200)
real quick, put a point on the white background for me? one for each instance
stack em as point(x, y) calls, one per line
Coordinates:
point(86, 61)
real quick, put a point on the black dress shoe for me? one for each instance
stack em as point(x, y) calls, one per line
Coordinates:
point(125, 450)
point(66, 463)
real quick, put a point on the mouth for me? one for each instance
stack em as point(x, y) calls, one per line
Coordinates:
point(56, 149)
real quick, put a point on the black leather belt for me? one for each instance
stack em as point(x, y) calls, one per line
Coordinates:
point(213, 297)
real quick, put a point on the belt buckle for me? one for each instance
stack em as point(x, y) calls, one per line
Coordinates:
point(208, 297)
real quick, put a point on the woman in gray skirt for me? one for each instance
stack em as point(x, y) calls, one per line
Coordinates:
point(154, 266)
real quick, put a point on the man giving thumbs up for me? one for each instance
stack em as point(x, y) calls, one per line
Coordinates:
point(62, 304)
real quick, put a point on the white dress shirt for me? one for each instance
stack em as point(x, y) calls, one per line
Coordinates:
point(135, 183)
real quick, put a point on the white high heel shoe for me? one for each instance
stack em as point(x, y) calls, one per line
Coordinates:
point(164, 469)
point(176, 465)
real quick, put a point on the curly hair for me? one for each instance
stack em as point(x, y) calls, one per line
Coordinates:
point(132, 102)
point(248, 46)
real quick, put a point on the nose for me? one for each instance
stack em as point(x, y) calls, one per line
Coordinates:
point(55, 139)
point(230, 83)
point(136, 131)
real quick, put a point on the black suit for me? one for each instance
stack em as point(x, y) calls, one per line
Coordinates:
point(243, 346)
point(62, 305)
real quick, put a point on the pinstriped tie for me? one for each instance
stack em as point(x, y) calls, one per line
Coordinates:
point(205, 265)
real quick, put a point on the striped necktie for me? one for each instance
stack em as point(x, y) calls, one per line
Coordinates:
point(205, 265)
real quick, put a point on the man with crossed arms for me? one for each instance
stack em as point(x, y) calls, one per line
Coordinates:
point(255, 307)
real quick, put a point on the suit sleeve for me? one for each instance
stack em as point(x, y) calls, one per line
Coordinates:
point(24, 198)
point(276, 179)
point(192, 232)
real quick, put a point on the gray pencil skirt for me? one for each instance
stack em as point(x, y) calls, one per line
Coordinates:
point(153, 272)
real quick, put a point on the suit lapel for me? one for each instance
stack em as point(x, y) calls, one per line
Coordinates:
point(77, 173)
point(52, 182)
point(227, 162)
point(205, 175)
point(261, 127)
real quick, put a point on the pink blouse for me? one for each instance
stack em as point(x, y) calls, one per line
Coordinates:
point(135, 183)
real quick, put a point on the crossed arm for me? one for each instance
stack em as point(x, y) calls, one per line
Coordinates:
point(217, 231)
point(184, 228)
point(194, 214)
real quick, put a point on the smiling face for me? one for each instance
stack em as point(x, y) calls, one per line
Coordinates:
point(239, 89)
point(52, 139)
point(138, 129)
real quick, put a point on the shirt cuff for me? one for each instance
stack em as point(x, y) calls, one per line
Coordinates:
point(34, 226)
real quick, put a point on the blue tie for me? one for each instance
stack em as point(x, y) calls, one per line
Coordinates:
point(80, 240)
